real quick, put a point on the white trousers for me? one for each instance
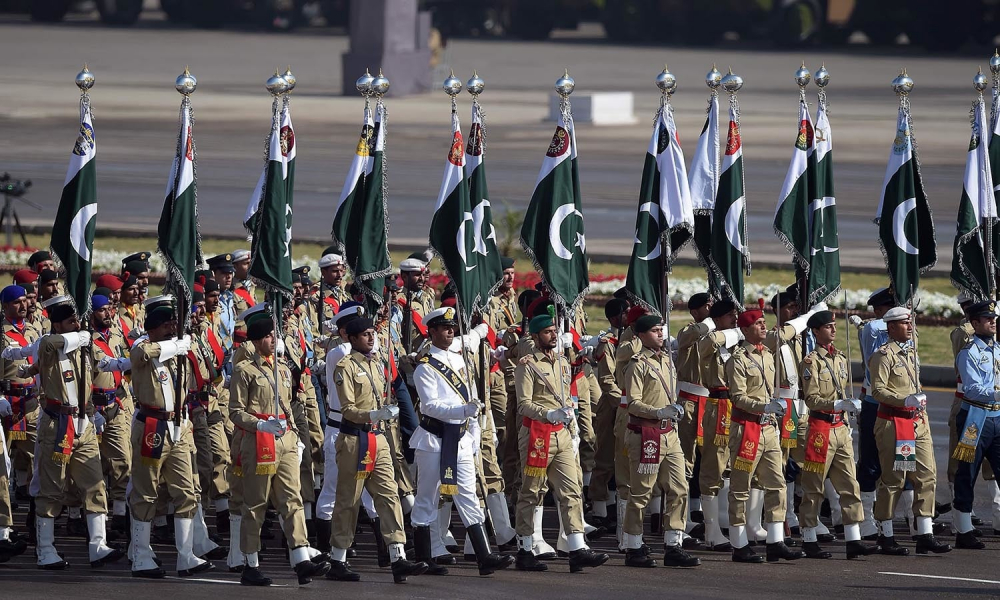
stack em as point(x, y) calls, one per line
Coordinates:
point(328, 493)
point(425, 508)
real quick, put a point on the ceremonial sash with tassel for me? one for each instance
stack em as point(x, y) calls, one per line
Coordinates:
point(266, 453)
point(536, 464)
point(19, 404)
point(451, 434)
point(965, 451)
point(65, 423)
point(905, 429)
point(818, 445)
point(750, 441)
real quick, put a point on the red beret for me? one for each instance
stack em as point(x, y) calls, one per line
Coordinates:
point(25, 276)
point(199, 288)
point(451, 301)
point(112, 282)
point(634, 313)
point(749, 317)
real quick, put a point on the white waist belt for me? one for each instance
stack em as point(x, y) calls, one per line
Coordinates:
point(692, 388)
point(788, 393)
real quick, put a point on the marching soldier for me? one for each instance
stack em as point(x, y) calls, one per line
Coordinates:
point(222, 272)
point(754, 442)
point(828, 448)
point(501, 315)
point(903, 437)
point(511, 341)
point(137, 265)
point(260, 403)
point(130, 310)
point(41, 260)
point(243, 286)
point(363, 458)
point(547, 449)
point(67, 445)
point(162, 444)
point(332, 269)
point(604, 421)
point(19, 388)
point(654, 448)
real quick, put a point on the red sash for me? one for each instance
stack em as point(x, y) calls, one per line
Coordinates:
point(213, 342)
point(367, 451)
point(199, 379)
point(491, 337)
point(102, 343)
point(245, 294)
point(699, 402)
point(153, 435)
point(748, 446)
point(19, 427)
point(21, 341)
point(125, 328)
point(818, 446)
point(267, 455)
point(789, 425)
point(536, 464)
point(332, 303)
point(722, 422)
point(65, 437)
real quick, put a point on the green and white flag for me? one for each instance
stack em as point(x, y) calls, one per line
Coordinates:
point(490, 270)
point(367, 248)
point(905, 223)
point(270, 252)
point(354, 185)
point(664, 214)
point(177, 232)
point(994, 157)
point(286, 136)
point(730, 250)
point(792, 213)
point(704, 184)
point(977, 216)
point(75, 223)
point(552, 234)
point(824, 265)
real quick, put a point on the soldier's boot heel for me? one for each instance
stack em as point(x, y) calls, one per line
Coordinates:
point(676, 556)
point(778, 551)
point(341, 571)
point(422, 549)
point(580, 559)
point(858, 548)
point(639, 558)
point(813, 550)
point(928, 543)
point(746, 555)
point(403, 568)
point(526, 561)
point(304, 565)
point(254, 577)
point(968, 541)
point(889, 546)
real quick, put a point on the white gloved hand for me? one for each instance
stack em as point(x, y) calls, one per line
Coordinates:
point(319, 367)
point(184, 344)
point(84, 338)
point(851, 406)
point(323, 339)
point(566, 340)
point(272, 426)
point(916, 401)
point(855, 320)
point(775, 407)
point(482, 330)
point(99, 423)
point(386, 413)
point(671, 411)
point(498, 354)
point(300, 448)
point(5, 408)
point(587, 353)
point(576, 445)
point(471, 410)
point(558, 415)
point(279, 347)
point(15, 352)
point(739, 334)
point(710, 322)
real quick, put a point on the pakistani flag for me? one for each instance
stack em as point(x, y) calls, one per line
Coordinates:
point(994, 155)
point(792, 212)
point(270, 252)
point(905, 224)
point(489, 267)
point(552, 234)
point(730, 250)
point(287, 158)
point(664, 214)
point(354, 186)
point(177, 233)
point(824, 265)
point(977, 215)
point(75, 222)
point(704, 183)
point(367, 247)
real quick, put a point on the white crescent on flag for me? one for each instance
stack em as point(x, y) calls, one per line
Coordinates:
point(478, 216)
point(733, 224)
point(78, 230)
point(555, 225)
point(654, 213)
point(460, 239)
point(898, 220)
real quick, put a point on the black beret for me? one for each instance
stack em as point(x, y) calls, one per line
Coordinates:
point(699, 300)
point(358, 325)
point(645, 323)
point(259, 324)
point(48, 275)
point(158, 316)
point(721, 307)
point(784, 298)
point(211, 286)
point(61, 312)
point(823, 317)
point(616, 307)
point(506, 262)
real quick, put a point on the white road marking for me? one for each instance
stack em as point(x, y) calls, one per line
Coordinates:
point(223, 581)
point(940, 577)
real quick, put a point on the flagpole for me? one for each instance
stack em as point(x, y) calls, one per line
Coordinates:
point(979, 82)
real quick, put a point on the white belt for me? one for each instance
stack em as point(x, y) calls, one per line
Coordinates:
point(623, 402)
point(788, 393)
point(958, 387)
point(692, 388)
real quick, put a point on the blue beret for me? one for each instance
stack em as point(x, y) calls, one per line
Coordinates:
point(12, 293)
point(99, 301)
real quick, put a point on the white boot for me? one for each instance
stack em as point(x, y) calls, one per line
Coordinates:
point(738, 536)
point(562, 545)
point(723, 497)
point(541, 547)
point(98, 546)
point(836, 512)
point(791, 519)
point(235, 559)
point(954, 514)
point(906, 504)
point(202, 543)
point(713, 533)
point(45, 547)
point(187, 562)
point(868, 526)
point(755, 531)
point(142, 553)
point(497, 505)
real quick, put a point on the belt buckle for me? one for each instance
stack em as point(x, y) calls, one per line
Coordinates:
point(664, 423)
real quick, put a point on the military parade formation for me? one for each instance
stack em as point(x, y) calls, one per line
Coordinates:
point(249, 393)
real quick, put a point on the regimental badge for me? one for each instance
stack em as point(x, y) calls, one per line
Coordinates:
point(748, 446)
point(806, 374)
point(266, 456)
point(905, 450)
point(85, 141)
point(287, 140)
point(68, 375)
point(539, 443)
point(153, 440)
point(338, 378)
point(449, 314)
point(902, 142)
point(367, 460)
point(649, 448)
point(662, 139)
point(189, 150)
point(475, 146)
point(366, 142)
point(818, 441)
point(970, 435)
point(559, 144)
point(790, 425)
point(805, 137)
point(448, 473)
point(162, 376)
point(457, 153)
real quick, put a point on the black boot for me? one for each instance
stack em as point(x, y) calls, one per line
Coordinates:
point(253, 576)
point(675, 556)
point(858, 548)
point(779, 550)
point(889, 546)
point(813, 550)
point(311, 531)
point(341, 571)
point(402, 568)
point(639, 557)
point(422, 550)
point(928, 543)
point(352, 552)
point(383, 550)
point(222, 523)
point(968, 541)
point(119, 527)
point(746, 555)
point(29, 523)
point(826, 538)
point(579, 559)
point(488, 561)
point(323, 531)
point(308, 569)
point(526, 561)
point(162, 534)
point(76, 528)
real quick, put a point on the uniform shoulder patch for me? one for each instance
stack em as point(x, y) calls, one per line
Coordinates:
point(425, 358)
point(526, 359)
point(807, 360)
point(884, 349)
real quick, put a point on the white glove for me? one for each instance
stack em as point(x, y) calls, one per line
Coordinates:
point(711, 324)
point(24, 371)
point(587, 352)
point(99, 423)
point(732, 336)
point(799, 323)
point(386, 413)
point(272, 426)
point(72, 341)
point(498, 354)
point(16, 352)
point(482, 330)
point(855, 320)
point(916, 401)
point(279, 347)
point(471, 410)
point(775, 407)
point(84, 338)
point(319, 367)
point(850, 406)
point(300, 448)
point(590, 340)
point(576, 445)
point(671, 411)
point(566, 340)
point(558, 415)
point(323, 339)
point(5, 408)
point(114, 365)
point(185, 344)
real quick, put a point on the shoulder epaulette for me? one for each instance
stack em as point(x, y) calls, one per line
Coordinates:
point(884, 348)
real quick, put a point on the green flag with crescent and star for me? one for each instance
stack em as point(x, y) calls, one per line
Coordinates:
point(792, 211)
point(977, 216)
point(703, 182)
point(76, 218)
point(353, 191)
point(905, 223)
point(730, 258)
point(367, 247)
point(270, 251)
point(824, 245)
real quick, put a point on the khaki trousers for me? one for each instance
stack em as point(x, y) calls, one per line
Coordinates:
point(305, 467)
point(404, 478)
point(590, 394)
point(671, 477)
point(174, 470)
point(279, 489)
point(6, 512)
point(714, 458)
point(562, 475)
point(604, 455)
point(511, 450)
point(840, 468)
point(82, 471)
point(623, 470)
point(315, 444)
point(381, 485)
point(203, 453)
point(767, 474)
point(236, 476)
point(488, 460)
point(22, 452)
point(498, 408)
point(116, 453)
point(687, 431)
point(891, 482)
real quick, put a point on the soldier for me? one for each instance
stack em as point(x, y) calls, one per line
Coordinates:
point(130, 310)
point(48, 285)
point(162, 444)
point(654, 448)
point(363, 458)
point(41, 261)
point(828, 448)
point(447, 441)
point(332, 269)
point(243, 285)
point(714, 352)
point(903, 437)
point(977, 423)
point(138, 265)
point(547, 448)
point(259, 405)
point(754, 442)
point(222, 272)
point(512, 338)
point(11, 545)
point(67, 441)
point(502, 314)
point(607, 407)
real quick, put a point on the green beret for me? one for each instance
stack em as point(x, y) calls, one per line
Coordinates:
point(507, 262)
point(645, 323)
point(540, 322)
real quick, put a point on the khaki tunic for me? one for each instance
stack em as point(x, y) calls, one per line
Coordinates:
point(791, 381)
point(628, 346)
point(115, 442)
point(22, 445)
point(604, 416)
point(713, 354)
point(689, 371)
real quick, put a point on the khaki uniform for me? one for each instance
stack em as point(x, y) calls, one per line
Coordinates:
point(213, 452)
point(421, 302)
point(239, 302)
point(628, 346)
point(604, 416)
point(219, 413)
point(537, 380)
point(750, 374)
point(112, 396)
point(790, 390)
point(65, 375)
point(500, 316)
point(651, 386)
point(518, 346)
point(360, 383)
point(23, 397)
point(251, 400)
point(893, 372)
point(691, 393)
point(305, 409)
point(824, 381)
point(393, 432)
point(153, 384)
point(130, 320)
point(714, 355)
